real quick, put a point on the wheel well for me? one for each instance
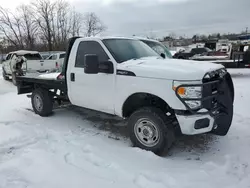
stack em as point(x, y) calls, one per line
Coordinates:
point(139, 100)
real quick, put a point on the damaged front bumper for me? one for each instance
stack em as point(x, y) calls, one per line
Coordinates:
point(216, 111)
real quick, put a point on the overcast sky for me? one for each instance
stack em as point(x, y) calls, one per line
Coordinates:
point(160, 17)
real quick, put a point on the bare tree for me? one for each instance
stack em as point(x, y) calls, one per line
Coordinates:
point(28, 24)
point(92, 24)
point(57, 22)
point(76, 23)
point(10, 26)
point(62, 22)
point(46, 24)
point(44, 17)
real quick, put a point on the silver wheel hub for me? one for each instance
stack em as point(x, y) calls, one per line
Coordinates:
point(38, 102)
point(146, 132)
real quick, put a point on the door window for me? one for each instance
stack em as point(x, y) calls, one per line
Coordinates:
point(89, 47)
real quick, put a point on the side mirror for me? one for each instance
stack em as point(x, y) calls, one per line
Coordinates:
point(91, 64)
point(106, 67)
point(163, 55)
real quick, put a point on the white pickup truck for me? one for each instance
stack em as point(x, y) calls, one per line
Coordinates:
point(34, 63)
point(57, 59)
point(125, 77)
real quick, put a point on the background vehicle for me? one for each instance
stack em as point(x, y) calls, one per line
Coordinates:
point(192, 52)
point(57, 59)
point(34, 63)
point(125, 77)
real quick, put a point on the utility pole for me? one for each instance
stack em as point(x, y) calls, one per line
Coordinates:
point(246, 30)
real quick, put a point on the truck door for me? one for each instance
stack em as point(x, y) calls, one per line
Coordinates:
point(93, 91)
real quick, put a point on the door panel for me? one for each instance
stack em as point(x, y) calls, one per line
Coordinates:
point(94, 91)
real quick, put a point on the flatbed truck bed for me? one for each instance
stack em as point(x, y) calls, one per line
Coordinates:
point(27, 83)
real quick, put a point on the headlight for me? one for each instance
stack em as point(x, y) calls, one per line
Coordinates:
point(216, 73)
point(191, 92)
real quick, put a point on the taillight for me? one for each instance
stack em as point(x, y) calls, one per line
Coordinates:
point(60, 77)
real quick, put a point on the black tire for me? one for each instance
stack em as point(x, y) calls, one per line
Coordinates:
point(160, 120)
point(14, 79)
point(5, 77)
point(45, 98)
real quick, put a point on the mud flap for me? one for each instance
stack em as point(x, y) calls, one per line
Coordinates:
point(224, 120)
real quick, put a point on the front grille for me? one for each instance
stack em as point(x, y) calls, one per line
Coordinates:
point(211, 89)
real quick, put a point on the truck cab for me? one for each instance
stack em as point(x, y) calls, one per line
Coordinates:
point(126, 78)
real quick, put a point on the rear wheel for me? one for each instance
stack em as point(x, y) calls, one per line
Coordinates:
point(42, 102)
point(150, 130)
point(14, 79)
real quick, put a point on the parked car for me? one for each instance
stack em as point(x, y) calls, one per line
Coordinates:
point(191, 53)
point(125, 77)
point(34, 63)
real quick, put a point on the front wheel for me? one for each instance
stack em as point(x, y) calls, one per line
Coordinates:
point(5, 77)
point(150, 130)
point(42, 102)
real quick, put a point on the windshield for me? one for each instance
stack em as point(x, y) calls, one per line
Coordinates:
point(158, 47)
point(126, 49)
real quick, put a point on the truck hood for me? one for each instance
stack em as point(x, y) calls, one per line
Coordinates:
point(173, 69)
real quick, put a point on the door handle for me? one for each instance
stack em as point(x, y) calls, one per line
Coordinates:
point(72, 77)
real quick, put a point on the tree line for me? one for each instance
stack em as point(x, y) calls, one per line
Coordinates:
point(45, 25)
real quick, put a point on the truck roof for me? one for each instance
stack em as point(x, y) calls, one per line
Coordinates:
point(143, 38)
point(24, 52)
point(110, 37)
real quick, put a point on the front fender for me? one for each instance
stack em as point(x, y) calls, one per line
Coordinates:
point(129, 85)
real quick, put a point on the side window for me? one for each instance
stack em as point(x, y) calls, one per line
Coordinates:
point(158, 49)
point(62, 56)
point(50, 57)
point(193, 51)
point(89, 47)
point(8, 57)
